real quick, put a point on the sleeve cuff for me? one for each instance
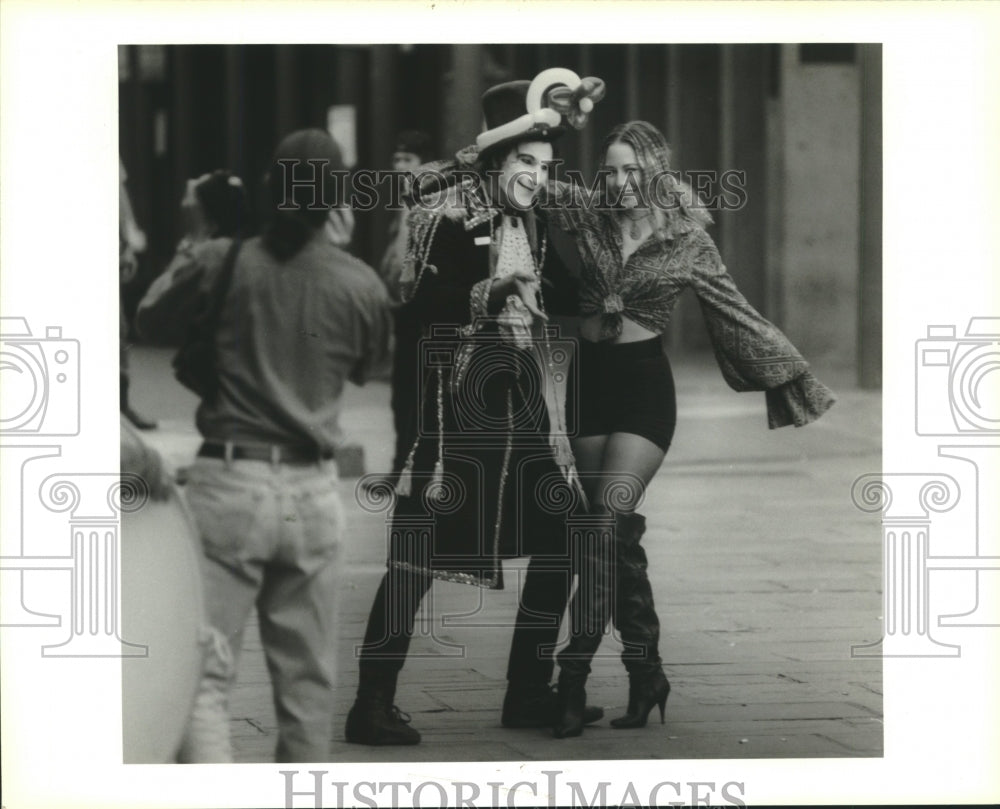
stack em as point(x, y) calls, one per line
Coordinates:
point(798, 402)
point(479, 299)
point(515, 323)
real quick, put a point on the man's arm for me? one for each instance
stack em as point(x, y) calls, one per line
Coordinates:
point(375, 329)
point(166, 310)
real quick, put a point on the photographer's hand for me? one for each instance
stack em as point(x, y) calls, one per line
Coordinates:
point(340, 226)
point(196, 226)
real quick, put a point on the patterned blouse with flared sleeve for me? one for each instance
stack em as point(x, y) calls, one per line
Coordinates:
point(752, 353)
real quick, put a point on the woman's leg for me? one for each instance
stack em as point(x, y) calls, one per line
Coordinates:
point(627, 464)
point(589, 614)
point(630, 462)
point(590, 607)
point(589, 453)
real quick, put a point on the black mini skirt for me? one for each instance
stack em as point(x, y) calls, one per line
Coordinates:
point(622, 388)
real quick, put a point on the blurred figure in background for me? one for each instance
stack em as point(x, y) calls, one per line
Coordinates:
point(214, 206)
point(300, 317)
point(131, 242)
point(215, 210)
point(162, 593)
point(141, 460)
point(413, 148)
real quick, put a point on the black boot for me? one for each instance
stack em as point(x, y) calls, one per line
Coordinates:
point(635, 618)
point(590, 611)
point(373, 718)
point(535, 705)
point(572, 703)
point(645, 689)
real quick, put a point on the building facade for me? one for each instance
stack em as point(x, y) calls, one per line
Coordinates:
point(798, 126)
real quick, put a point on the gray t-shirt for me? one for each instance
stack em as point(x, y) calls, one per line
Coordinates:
point(289, 335)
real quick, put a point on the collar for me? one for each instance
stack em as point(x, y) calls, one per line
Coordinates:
point(477, 208)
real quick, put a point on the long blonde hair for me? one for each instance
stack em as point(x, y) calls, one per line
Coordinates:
point(652, 153)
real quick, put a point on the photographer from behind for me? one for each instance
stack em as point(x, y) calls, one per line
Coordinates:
point(297, 317)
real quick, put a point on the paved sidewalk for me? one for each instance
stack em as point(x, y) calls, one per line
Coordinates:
point(764, 574)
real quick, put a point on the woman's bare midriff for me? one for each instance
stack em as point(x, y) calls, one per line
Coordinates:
point(632, 332)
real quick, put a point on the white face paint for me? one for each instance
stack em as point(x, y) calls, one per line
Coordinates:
point(523, 173)
point(624, 175)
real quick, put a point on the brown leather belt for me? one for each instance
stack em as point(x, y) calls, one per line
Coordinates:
point(271, 453)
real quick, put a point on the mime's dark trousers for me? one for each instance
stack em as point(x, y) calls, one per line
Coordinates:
point(543, 599)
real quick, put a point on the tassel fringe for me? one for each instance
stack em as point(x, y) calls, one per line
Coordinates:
point(404, 486)
point(437, 481)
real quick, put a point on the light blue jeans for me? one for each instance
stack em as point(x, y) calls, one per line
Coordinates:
point(272, 536)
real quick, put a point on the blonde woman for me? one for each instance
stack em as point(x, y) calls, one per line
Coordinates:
point(641, 247)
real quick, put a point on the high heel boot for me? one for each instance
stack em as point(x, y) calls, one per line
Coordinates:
point(536, 705)
point(645, 689)
point(635, 618)
point(590, 612)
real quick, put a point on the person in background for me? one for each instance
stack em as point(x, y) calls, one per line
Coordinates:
point(214, 210)
point(413, 148)
point(301, 317)
point(150, 476)
point(131, 242)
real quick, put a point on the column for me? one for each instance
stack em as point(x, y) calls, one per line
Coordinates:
point(95, 503)
point(986, 561)
point(16, 559)
point(905, 502)
point(463, 111)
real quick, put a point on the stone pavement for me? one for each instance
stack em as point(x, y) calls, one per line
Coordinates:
point(764, 574)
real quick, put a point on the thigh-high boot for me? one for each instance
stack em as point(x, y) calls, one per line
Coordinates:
point(635, 618)
point(590, 612)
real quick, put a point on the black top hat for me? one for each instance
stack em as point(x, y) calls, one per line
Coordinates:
point(539, 109)
point(508, 120)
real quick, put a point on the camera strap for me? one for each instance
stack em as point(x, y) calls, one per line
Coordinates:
point(218, 290)
point(195, 363)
